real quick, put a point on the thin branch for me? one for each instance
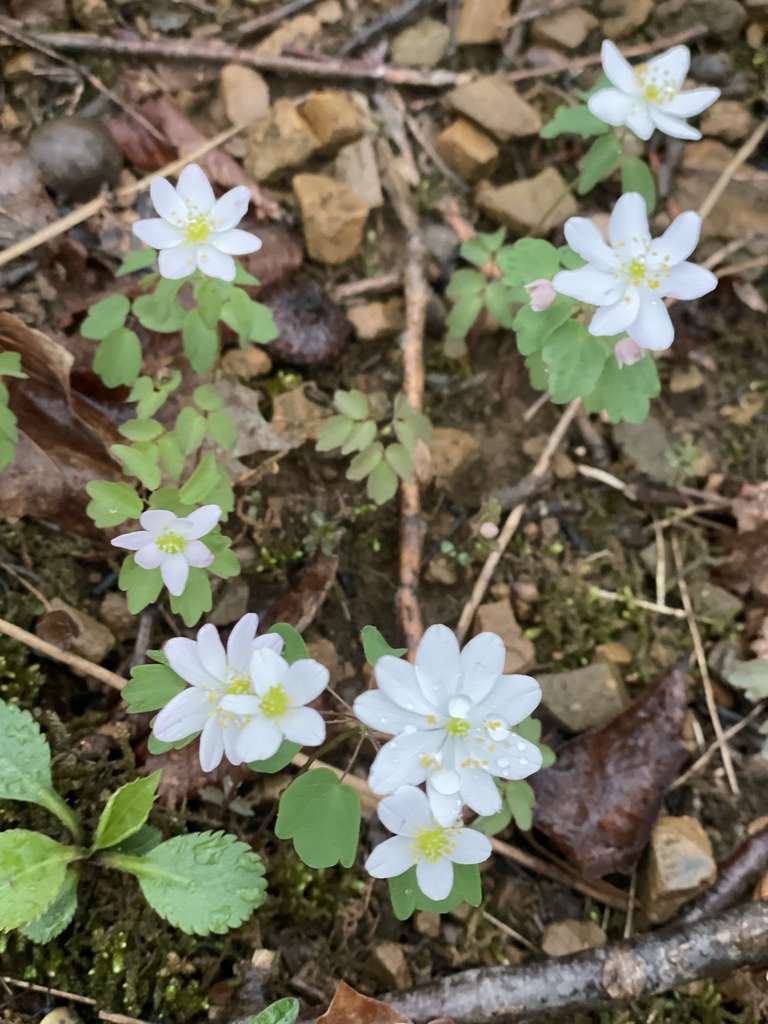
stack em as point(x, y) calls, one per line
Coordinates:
point(387, 20)
point(279, 14)
point(732, 167)
point(756, 711)
point(59, 654)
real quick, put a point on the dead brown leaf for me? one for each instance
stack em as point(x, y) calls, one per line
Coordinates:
point(349, 1007)
point(301, 604)
point(183, 778)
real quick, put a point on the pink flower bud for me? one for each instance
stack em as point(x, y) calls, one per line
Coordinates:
point(627, 352)
point(542, 294)
point(489, 531)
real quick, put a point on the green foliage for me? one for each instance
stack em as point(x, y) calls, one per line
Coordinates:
point(624, 392)
point(577, 120)
point(483, 249)
point(752, 678)
point(151, 687)
point(201, 342)
point(279, 760)
point(284, 1011)
point(138, 260)
point(150, 395)
point(518, 801)
point(408, 897)
point(25, 759)
point(574, 361)
point(375, 646)
point(32, 873)
point(105, 317)
point(530, 729)
point(118, 358)
point(636, 177)
point(322, 817)
point(294, 648)
point(141, 586)
point(59, 914)
point(126, 812)
point(10, 366)
point(602, 158)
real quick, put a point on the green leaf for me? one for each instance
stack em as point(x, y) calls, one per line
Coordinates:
point(636, 177)
point(141, 429)
point(263, 326)
point(601, 159)
point(333, 432)
point(141, 842)
point(382, 483)
point(8, 424)
point(243, 277)
point(365, 461)
point(279, 760)
point(462, 317)
point(223, 429)
point(196, 600)
point(465, 283)
point(752, 677)
point(577, 120)
point(225, 563)
point(361, 435)
point(501, 302)
point(410, 426)
point(284, 1011)
point(190, 429)
point(151, 687)
point(140, 259)
point(10, 365)
point(172, 455)
point(407, 897)
point(322, 817)
point(375, 646)
point(570, 259)
point(159, 312)
point(625, 392)
point(521, 800)
point(534, 329)
point(126, 812)
point(210, 299)
point(32, 872)
point(59, 914)
point(575, 360)
point(156, 746)
point(482, 249)
point(294, 648)
point(492, 824)
point(112, 503)
point(105, 317)
point(238, 312)
point(399, 458)
point(530, 729)
point(528, 260)
point(201, 343)
point(205, 477)
point(7, 453)
point(352, 404)
point(25, 758)
point(150, 395)
point(225, 876)
point(208, 397)
point(140, 462)
point(142, 586)
point(538, 370)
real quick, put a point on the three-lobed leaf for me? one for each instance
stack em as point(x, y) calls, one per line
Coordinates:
point(105, 317)
point(112, 503)
point(575, 361)
point(322, 816)
point(375, 646)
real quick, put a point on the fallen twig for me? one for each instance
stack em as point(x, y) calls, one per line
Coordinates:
point(274, 17)
point(756, 711)
point(737, 875)
point(730, 169)
point(59, 654)
point(387, 20)
point(598, 979)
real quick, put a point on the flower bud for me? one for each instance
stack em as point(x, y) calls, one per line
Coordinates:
point(542, 294)
point(627, 352)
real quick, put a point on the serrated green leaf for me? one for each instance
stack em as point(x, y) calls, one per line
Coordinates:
point(138, 260)
point(196, 600)
point(578, 120)
point(466, 283)
point(407, 896)
point(294, 648)
point(105, 317)
point(333, 432)
point(462, 317)
point(225, 564)
point(352, 404)
point(279, 760)
point(575, 361)
point(25, 758)
point(205, 477)
point(225, 875)
point(602, 158)
point(533, 329)
point(521, 800)
point(126, 811)
point(527, 260)
point(625, 392)
point(32, 872)
point(141, 429)
point(752, 677)
point(190, 429)
point(140, 462)
point(322, 817)
point(223, 429)
point(142, 586)
point(151, 396)
point(201, 343)
point(375, 646)
point(284, 1011)
point(59, 914)
point(382, 483)
point(399, 458)
point(10, 365)
point(112, 503)
point(151, 687)
point(365, 461)
point(636, 177)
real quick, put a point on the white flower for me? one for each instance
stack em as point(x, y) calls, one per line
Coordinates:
point(453, 715)
point(245, 700)
point(648, 96)
point(172, 544)
point(194, 229)
point(632, 274)
point(422, 840)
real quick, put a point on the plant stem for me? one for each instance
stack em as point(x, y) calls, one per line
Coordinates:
point(56, 805)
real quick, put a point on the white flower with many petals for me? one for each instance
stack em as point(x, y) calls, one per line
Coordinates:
point(171, 544)
point(453, 715)
point(245, 699)
point(632, 274)
point(194, 229)
point(422, 840)
point(649, 95)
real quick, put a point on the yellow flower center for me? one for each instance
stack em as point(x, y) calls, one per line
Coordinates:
point(457, 727)
point(636, 268)
point(431, 844)
point(658, 87)
point(171, 543)
point(239, 686)
point(274, 703)
point(197, 229)
point(651, 93)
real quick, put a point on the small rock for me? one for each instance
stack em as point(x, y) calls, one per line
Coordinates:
point(711, 68)
point(679, 866)
point(333, 217)
point(249, 362)
point(324, 651)
point(231, 602)
point(724, 18)
point(442, 570)
point(333, 116)
point(427, 923)
point(584, 697)
point(388, 964)
point(570, 936)
point(280, 140)
point(620, 18)
point(115, 614)
point(377, 319)
point(92, 15)
point(532, 205)
point(245, 93)
point(296, 33)
point(566, 30)
point(482, 21)
point(563, 467)
point(356, 165)
point(495, 105)
point(467, 150)
point(684, 379)
point(498, 617)
point(614, 652)
point(454, 452)
point(76, 157)
point(649, 447)
point(314, 330)
point(294, 414)
point(727, 120)
point(716, 603)
point(423, 45)
point(75, 631)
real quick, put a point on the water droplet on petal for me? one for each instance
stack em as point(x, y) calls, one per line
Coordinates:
point(523, 760)
point(459, 706)
point(521, 746)
point(408, 730)
point(409, 707)
point(503, 762)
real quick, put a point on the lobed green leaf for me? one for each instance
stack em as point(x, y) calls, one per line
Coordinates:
point(322, 817)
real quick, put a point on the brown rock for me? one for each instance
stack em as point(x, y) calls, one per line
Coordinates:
point(248, 362)
point(388, 965)
point(467, 150)
point(494, 104)
point(727, 120)
point(498, 617)
point(423, 45)
point(117, 617)
point(296, 32)
point(620, 18)
point(566, 30)
point(427, 923)
point(686, 378)
point(281, 139)
point(533, 205)
point(482, 21)
point(356, 165)
point(76, 156)
point(245, 93)
point(92, 15)
point(75, 631)
point(454, 452)
point(292, 412)
point(333, 116)
point(333, 217)
point(377, 319)
point(584, 697)
point(570, 936)
point(231, 602)
point(679, 866)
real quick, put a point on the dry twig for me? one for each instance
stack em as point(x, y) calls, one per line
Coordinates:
point(274, 17)
point(732, 167)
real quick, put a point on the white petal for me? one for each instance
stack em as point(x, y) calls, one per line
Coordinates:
point(211, 745)
point(399, 762)
point(304, 726)
point(515, 758)
point(203, 520)
point(618, 70)
point(240, 643)
point(614, 319)
point(150, 556)
point(687, 281)
point(640, 122)
point(156, 520)
point(673, 126)
point(445, 807)
point(405, 812)
point(482, 663)
point(585, 238)
point(391, 858)
point(397, 679)
point(273, 641)
point(680, 239)
point(435, 880)
point(177, 263)
point(653, 328)
point(438, 665)
point(472, 847)
point(629, 220)
point(611, 106)
point(688, 104)
point(235, 242)
point(175, 573)
point(268, 669)
point(195, 189)
point(240, 704)
point(259, 740)
point(231, 732)
point(184, 658)
point(197, 554)
point(377, 711)
point(184, 714)
point(214, 263)
point(513, 698)
point(305, 680)
point(589, 285)
point(673, 63)
point(480, 792)
point(158, 233)
point(211, 651)
point(133, 541)
point(230, 209)
point(168, 202)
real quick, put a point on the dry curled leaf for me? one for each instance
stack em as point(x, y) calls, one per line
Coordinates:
point(349, 1007)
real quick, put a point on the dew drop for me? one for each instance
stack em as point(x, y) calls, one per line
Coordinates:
point(409, 707)
point(521, 746)
point(408, 730)
point(523, 760)
point(503, 762)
